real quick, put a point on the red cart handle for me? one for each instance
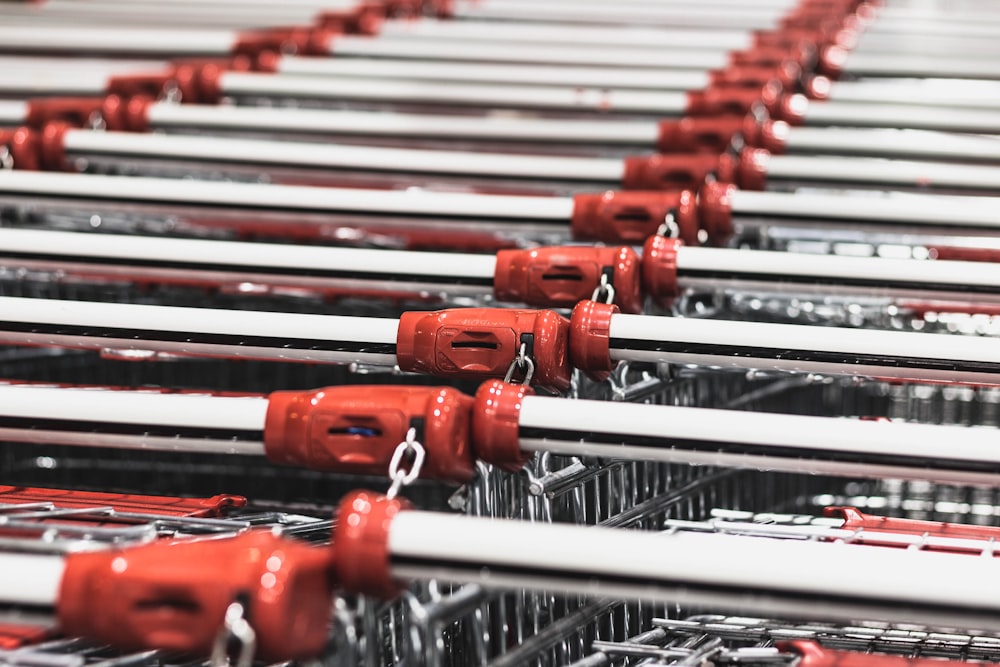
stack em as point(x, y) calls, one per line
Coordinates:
point(174, 596)
point(356, 430)
point(811, 654)
point(562, 276)
point(483, 343)
point(854, 519)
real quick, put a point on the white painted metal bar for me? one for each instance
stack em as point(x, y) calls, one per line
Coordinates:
point(134, 191)
point(903, 19)
point(883, 173)
point(924, 44)
point(961, 93)
point(132, 258)
point(747, 575)
point(31, 580)
point(409, 126)
point(200, 153)
point(330, 89)
point(793, 443)
point(214, 153)
point(893, 143)
point(720, 4)
point(867, 64)
point(517, 74)
point(13, 112)
point(140, 329)
point(660, 15)
point(133, 419)
point(57, 81)
point(750, 270)
point(149, 42)
point(859, 114)
point(789, 347)
point(116, 13)
point(901, 211)
point(237, 4)
point(626, 36)
point(472, 50)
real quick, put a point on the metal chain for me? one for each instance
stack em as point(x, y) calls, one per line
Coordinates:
point(521, 361)
point(236, 628)
point(669, 228)
point(401, 477)
point(605, 288)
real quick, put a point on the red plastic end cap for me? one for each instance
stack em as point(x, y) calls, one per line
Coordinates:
point(481, 343)
point(76, 111)
point(589, 339)
point(174, 595)
point(361, 544)
point(787, 73)
point(495, 417)
point(811, 654)
point(355, 430)
point(771, 135)
point(632, 217)
point(817, 87)
point(801, 52)
point(668, 172)
point(733, 100)
point(832, 61)
point(847, 38)
point(23, 147)
point(134, 115)
point(791, 108)
point(562, 276)
point(198, 82)
point(694, 134)
point(659, 269)
point(747, 169)
point(52, 147)
point(715, 206)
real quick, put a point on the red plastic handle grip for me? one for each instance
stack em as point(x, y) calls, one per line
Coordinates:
point(632, 217)
point(669, 172)
point(562, 276)
point(855, 519)
point(174, 596)
point(364, 19)
point(812, 654)
point(481, 343)
point(715, 134)
point(161, 505)
point(355, 430)
point(747, 169)
point(75, 111)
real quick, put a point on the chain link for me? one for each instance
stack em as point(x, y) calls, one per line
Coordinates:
point(669, 228)
point(521, 361)
point(605, 288)
point(236, 628)
point(401, 477)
